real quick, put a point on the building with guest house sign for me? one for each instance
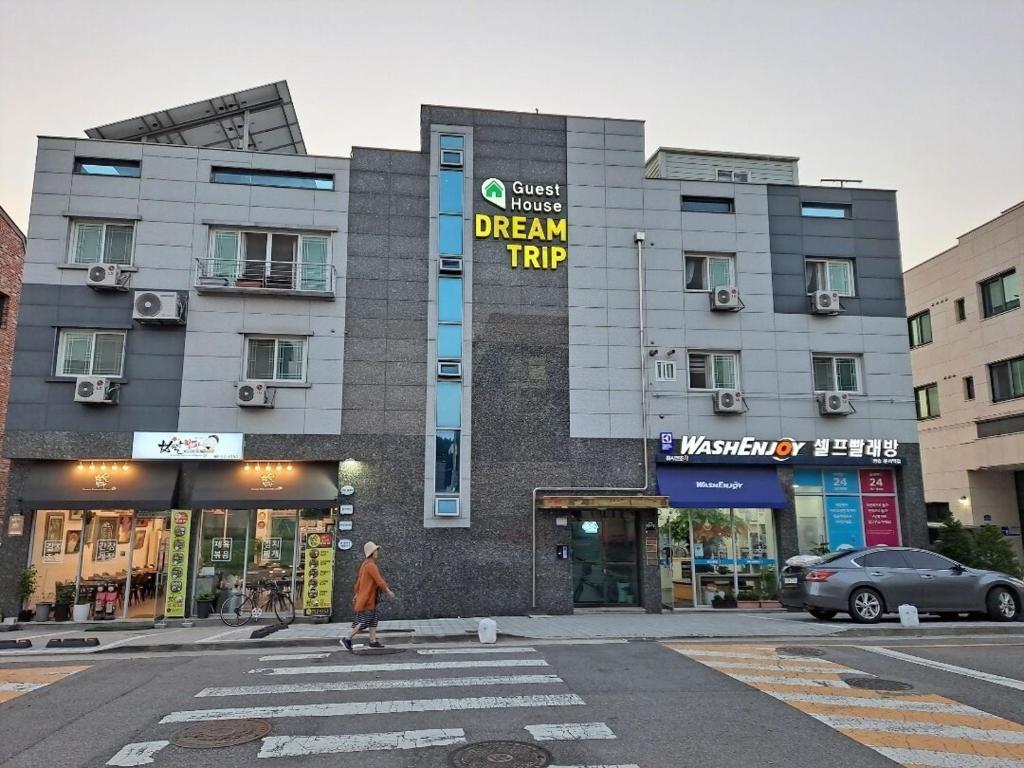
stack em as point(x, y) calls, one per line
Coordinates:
point(542, 365)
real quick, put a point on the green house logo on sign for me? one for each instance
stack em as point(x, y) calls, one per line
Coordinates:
point(493, 191)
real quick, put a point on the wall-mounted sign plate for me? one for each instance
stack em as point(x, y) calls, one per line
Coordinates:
point(344, 525)
point(344, 544)
point(346, 490)
point(345, 509)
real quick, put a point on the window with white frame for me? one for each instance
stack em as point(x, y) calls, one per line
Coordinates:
point(830, 275)
point(664, 370)
point(709, 271)
point(275, 358)
point(90, 352)
point(260, 259)
point(726, 174)
point(834, 373)
point(714, 370)
point(106, 242)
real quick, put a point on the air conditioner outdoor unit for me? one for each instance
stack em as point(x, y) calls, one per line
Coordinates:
point(725, 299)
point(253, 394)
point(94, 389)
point(825, 303)
point(729, 401)
point(835, 403)
point(104, 277)
point(158, 307)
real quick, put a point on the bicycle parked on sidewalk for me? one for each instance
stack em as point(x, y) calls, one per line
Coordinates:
point(239, 609)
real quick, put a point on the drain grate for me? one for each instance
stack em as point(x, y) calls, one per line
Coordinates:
point(220, 733)
point(877, 684)
point(500, 754)
point(797, 650)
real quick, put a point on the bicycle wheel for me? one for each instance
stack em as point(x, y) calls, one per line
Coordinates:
point(284, 608)
point(237, 610)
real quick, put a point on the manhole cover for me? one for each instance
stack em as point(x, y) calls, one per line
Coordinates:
point(500, 754)
point(377, 651)
point(801, 651)
point(220, 733)
point(877, 684)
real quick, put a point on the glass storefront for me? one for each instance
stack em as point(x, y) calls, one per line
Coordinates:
point(844, 508)
point(604, 553)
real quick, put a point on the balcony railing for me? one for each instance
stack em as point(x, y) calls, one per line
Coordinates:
point(215, 275)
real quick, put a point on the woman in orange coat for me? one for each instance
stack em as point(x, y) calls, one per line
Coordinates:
point(369, 583)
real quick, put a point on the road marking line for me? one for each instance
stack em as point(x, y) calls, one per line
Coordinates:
point(908, 711)
point(930, 743)
point(454, 651)
point(404, 666)
point(685, 651)
point(365, 685)
point(124, 641)
point(22, 687)
point(219, 635)
point(715, 664)
point(295, 656)
point(919, 757)
point(856, 693)
point(340, 709)
point(843, 723)
point(987, 677)
point(140, 753)
point(570, 731)
point(824, 682)
point(297, 746)
point(17, 682)
point(629, 765)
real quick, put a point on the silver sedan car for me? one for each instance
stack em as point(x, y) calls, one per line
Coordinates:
point(869, 583)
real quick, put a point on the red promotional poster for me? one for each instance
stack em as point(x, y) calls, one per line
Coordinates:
point(877, 481)
point(881, 524)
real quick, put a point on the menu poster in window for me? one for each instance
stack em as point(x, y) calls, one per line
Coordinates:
point(844, 522)
point(881, 523)
point(220, 550)
point(877, 481)
point(841, 481)
point(272, 549)
point(52, 551)
point(104, 549)
point(181, 529)
point(318, 583)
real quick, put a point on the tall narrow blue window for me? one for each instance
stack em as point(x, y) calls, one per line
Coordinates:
point(449, 300)
point(449, 234)
point(446, 474)
point(449, 405)
point(452, 142)
point(450, 183)
point(449, 342)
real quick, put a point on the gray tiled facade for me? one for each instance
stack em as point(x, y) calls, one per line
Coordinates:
point(554, 364)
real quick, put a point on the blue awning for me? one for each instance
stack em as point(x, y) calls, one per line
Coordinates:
point(721, 486)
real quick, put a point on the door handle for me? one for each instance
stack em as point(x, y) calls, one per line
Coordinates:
point(876, 573)
point(927, 576)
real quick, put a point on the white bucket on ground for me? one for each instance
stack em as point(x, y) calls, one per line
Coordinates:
point(488, 631)
point(908, 615)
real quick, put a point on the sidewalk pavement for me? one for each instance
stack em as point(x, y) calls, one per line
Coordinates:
point(600, 625)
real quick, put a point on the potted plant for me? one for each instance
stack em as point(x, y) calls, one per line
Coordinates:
point(728, 600)
point(62, 606)
point(204, 605)
point(81, 608)
point(26, 587)
point(747, 598)
point(767, 589)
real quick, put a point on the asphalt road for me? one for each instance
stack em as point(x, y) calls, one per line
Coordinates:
point(646, 704)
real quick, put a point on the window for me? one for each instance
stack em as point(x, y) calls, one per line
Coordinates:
point(450, 195)
point(713, 370)
point(968, 387)
point(830, 275)
point(449, 405)
point(1007, 379)
point(708, 272)
point(826, 210)
point(269, 358)
point(106, 167)
point(449, 234)
point(836, 374)
point(960, 310)
point(270, 260)
point(448, 141)
point(927, 561)
point(729, 175)
point(694, 204)
point(927, 400)
point(449, 300)
point(84, 352)
point(664, 370)
point(5, 301)
point(451, 151)
point(446, 457)
point(1000, 294)
point(920, 329)
point(93, 242)
point(289, 179)
point(892, 559)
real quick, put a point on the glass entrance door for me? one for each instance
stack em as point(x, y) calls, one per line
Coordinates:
point(604, 552)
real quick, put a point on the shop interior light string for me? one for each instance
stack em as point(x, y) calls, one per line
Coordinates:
point(103, 465)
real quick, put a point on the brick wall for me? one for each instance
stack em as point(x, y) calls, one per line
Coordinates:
point(12, 257)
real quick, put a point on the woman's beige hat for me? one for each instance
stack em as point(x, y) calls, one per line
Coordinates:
point(369, 548)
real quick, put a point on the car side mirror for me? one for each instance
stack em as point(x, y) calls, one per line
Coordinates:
point(957, 568)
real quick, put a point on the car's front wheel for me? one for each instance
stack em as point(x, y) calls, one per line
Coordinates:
point(822, 614)
point(866, 606)
point(1002, 605)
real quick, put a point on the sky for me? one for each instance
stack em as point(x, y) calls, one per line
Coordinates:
point(922, 96)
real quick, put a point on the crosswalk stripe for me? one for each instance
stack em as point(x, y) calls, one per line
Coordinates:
point(697, 652)
point(343, 709)
point(406, 666)
point(797, 687)
point(624, 765)
point(832, 681)
point(140, 753)
point(987, 677)
point(22, 687)
point(455, 651)
point(297, 746)
point(293, 656)
point(771, 667)
point(365, 685)
point(921, 729)
point(930, 743)
point(969, 719)
point(905, 704)
point(570, 731)
point(919, 757)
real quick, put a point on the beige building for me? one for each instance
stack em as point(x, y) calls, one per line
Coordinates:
point(967, 352)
